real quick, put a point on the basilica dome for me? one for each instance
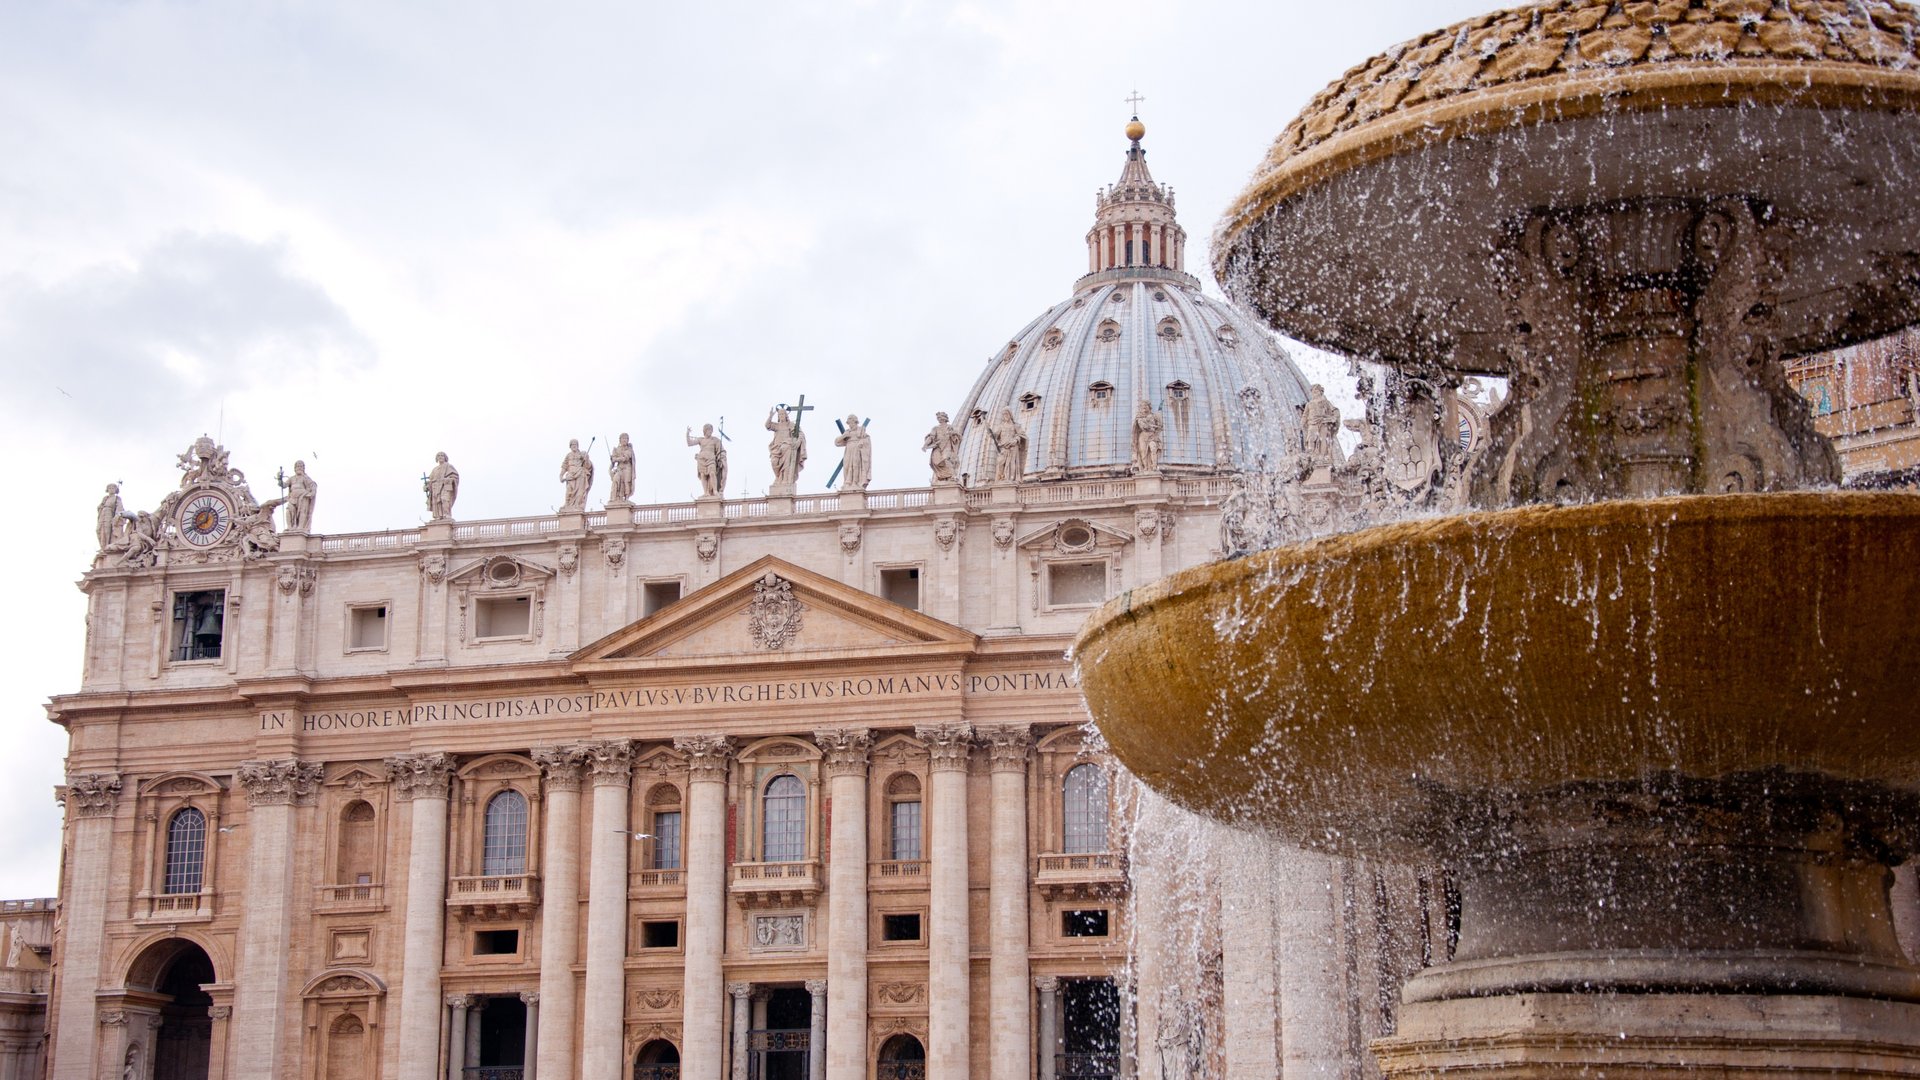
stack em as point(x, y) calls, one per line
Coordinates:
point(1137, 328)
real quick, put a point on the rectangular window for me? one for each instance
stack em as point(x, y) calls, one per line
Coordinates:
point(1075, 583)
point(199, 622)
point(905, 831)
point(496, 942)
point(664, 934)
point(1091, 923)
point(503, 616)
point(655, 595)
point(367, 627)
point(666, 840)
point(901, 585)
point(900, 927)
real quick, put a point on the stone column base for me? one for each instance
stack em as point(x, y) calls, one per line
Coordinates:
point(1652, 1037)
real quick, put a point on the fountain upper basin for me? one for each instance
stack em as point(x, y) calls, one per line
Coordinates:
point(1342, 691)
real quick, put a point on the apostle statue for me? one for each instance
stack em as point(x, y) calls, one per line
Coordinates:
point(1320, 429)
point(300, 491)
point(709, 461)
point(942, 445)
point(856, 465)
point(108, 517)
point(576, 472)
point(1147, 437)
point(787, 450)
point(1010, 445)
point(620, 471)
point(442, 486)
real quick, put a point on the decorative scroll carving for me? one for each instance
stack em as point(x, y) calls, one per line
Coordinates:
point(946, 531)
point(1003, 533)
point(774, 615)
point(616, 553)
point(658, 999)
point(420, 776)
point(900, 993)
point(1007, 747)
point(948, 745)
point(562, 765)
point(272, 783)
point(850, 537)
point(706, 546)
point(569, 559)
point(708, 756)
point(91, 794)
point(433, 568)
point(295, 577)
point(780, 932)
point(611, 761)
point(846, 751)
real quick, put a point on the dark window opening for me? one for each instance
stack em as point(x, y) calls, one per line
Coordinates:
point(496, 942)
point(1089, 923)
point(664, 934)
point(199, 620)
point(1090, 1026)
point(901, 586)
point(658, 594)
point(900, 927)
point(503, 1034)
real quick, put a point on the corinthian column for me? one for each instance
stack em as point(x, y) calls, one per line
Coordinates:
point(272, 789)
point(559, 910)
point(90, 800)
point(1007, 900)
point(845, 1049)
point(948, 994)
point(420, 780)
point(703, 997)
point(603, 1054)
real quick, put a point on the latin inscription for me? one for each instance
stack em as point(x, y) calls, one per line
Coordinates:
point(602, 702)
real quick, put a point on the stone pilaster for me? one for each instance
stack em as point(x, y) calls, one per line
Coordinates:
point(949, 996)
point(703, 997)
point(844, 1053)
point(1049, 988)
point(817, 1030)
point(90, 800)
point(554, 1056)
point(1011, 1019)
point(1247, 966)
point(1312, 1040)
point(420, 781)
point(272, 789)
point(603, 1050)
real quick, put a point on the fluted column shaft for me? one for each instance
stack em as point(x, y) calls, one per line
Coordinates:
point(554, 1056)
point(1007, 972)
point(949, 998)
point(602, 1055)
point(843, 1052)
point(703, 997)
point(90, 800)
point(260, 989)
point(421, 782)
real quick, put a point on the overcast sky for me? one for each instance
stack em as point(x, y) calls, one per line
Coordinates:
point(359, 233)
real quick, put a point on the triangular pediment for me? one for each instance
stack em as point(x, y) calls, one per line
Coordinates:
point(771, 611)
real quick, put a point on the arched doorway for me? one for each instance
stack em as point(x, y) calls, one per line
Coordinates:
point(657, 1060)
point(902, 1058)
point(174, 971)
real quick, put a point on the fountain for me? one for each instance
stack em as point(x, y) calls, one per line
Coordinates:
point(1651, 703)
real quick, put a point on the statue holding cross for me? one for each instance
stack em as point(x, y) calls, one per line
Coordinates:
point(787, 450)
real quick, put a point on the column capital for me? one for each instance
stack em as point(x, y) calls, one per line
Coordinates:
point(817, 987)
point(708, 756)
point(1007, 747)
point(278, 782)
point(220, 1012)
point(530, 997)
point(113, 1018)
point(846, 750)
point(420, 776)
point(739, 991)
point(460, 1001)
point(90, 794)
point(561, 765)
point(1046, 984)
point(949, 745)
point(611, 762)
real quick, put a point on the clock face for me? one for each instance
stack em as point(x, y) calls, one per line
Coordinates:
point(205, 519)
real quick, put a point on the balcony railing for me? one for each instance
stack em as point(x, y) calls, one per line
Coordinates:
point(657, 882)
point(779, 1040)
point(656, 1072)
point(776, 882)
point(494, 894)
point(494, 1072)
point(177, 907)
point(899, 874)
point(1079, 874)
point(902, 1070)
point(357, 896)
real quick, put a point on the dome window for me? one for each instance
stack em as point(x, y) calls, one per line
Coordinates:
point(1250, 397)
point(1012, 348)
point(1029, 401)
point(1170, 329)
point(1053, 339)
point(1226, 337)
point(1178, 390)
point(1109, 331)
point(1160, 295)
point(1100, 392)
point(1119, 296)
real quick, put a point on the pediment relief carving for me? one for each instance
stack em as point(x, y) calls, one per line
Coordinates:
point(779, 749)
point(500, 572)
point(1074, 536)
point(181, 784)
point(344, 982)
point(899, 749)
point(355, 778)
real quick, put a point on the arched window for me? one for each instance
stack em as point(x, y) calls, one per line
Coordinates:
point(1084, 809)
point(903, 818)
point(783, 820)
point(186, 851)
point(504, 847)
point(358, 844)
point(902, 1058)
